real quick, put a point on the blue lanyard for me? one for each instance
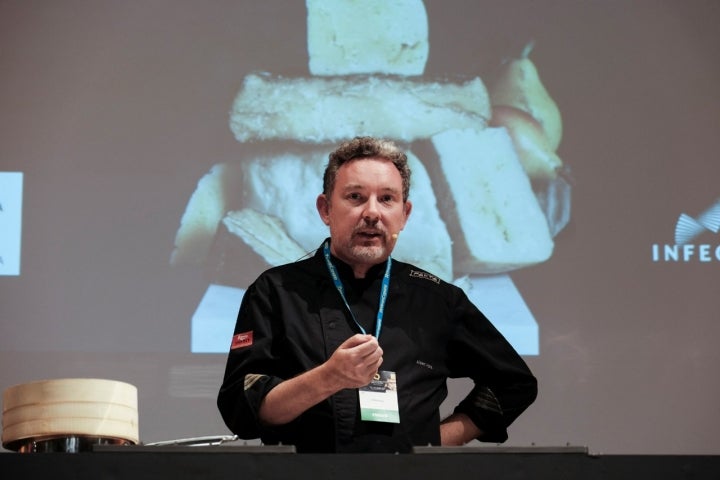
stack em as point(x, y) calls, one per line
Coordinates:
point(341, 290)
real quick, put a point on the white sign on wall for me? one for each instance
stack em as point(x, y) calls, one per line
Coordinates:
point(11, 184)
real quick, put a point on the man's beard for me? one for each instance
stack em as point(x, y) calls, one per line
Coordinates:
point(369, 254)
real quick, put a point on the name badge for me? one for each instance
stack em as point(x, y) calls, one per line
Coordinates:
point(379, 400)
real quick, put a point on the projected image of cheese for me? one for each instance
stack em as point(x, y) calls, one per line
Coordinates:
point(476, 210)
point(491, 203)
point(281, 186)
point(336, 46)
point(333, 109)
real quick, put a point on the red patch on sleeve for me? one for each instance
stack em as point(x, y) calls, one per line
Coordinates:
point(240, 340)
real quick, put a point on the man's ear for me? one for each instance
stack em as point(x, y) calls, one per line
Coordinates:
point(323, 208)
point(408, 209)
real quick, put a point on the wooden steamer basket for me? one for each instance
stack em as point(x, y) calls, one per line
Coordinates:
point(69, 415)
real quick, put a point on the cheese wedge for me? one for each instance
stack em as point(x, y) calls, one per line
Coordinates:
point(264, 234)
point(492, 213)
point(216, 193)
point(425, 241)
point(286, 186)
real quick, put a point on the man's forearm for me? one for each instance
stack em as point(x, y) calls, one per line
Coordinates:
point(291, 398)
point(352, 365)
point(458, 429)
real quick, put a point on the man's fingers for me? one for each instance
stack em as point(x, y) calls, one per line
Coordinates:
point(361, 346)
point(355, 340)
point(378, 363)
point(357, 360)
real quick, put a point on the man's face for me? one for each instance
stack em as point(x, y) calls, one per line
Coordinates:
point(364, 210)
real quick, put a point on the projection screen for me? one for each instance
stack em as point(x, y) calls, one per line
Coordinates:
point(156, 156)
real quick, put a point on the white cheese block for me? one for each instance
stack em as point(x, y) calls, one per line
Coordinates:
point(369, 36)
point(425, 241)
point(216, 193)
point(494, 217)
point(333, 109)
point(265, 235)
point(286, 187)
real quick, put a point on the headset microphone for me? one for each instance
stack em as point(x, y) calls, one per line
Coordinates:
point(394, 236)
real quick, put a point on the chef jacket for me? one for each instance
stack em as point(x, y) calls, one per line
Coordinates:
point(292, 319)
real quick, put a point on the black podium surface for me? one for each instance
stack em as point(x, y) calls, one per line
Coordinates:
point(222, 462)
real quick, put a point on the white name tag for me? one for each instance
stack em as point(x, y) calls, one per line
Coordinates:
point(379, 400)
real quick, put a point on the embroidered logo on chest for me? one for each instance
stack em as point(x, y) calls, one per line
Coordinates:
point(424, 276)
